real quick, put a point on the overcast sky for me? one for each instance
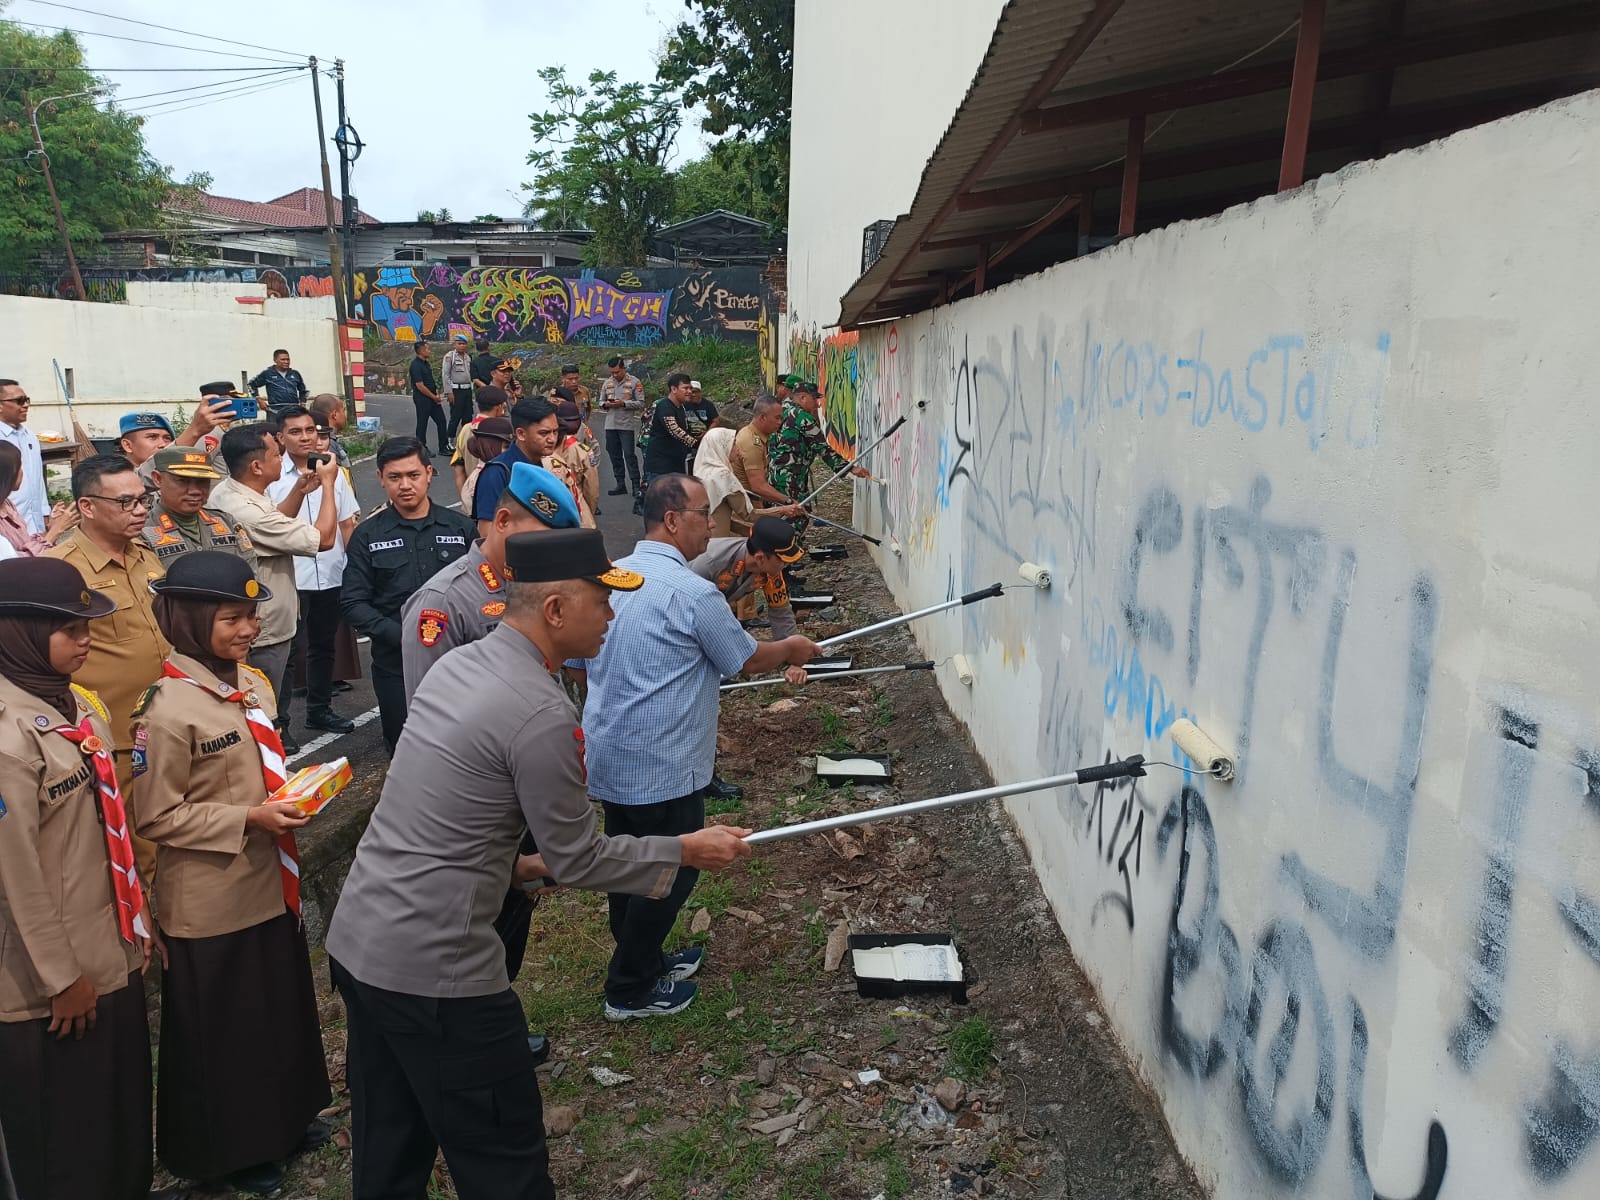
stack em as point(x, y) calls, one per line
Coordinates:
point(440, 93)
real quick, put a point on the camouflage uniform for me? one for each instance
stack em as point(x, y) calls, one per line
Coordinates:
point(792, 451)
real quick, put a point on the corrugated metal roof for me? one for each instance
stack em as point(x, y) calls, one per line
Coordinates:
point(1112, 46)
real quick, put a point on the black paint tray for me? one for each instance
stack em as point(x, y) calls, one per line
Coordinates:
point(827, 553)
point(820, 600)
point(906, 964)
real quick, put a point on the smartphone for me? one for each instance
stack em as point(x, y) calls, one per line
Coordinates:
point(245, 408)
point(313, 461)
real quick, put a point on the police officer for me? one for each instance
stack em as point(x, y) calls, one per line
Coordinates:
point(464, 601)
point(738, 566)
point(392, 554)
point(179, 520)
point(436, 1036)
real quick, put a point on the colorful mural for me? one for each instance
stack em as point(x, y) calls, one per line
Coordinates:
point(630, 307)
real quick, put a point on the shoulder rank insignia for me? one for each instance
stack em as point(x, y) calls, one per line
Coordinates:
point(143, 702)
point(431, 623)
point(490, 579)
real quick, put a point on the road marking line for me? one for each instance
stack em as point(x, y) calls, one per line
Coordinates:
point(327, 739)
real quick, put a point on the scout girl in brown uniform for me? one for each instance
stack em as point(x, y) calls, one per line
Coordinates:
point(74, 1042)
point(242, 1074)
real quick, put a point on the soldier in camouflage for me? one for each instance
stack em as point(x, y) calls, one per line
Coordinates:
point(799, 442)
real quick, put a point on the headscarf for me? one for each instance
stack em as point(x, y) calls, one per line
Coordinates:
point(187, 622)
point(25, 659)
point(711, 467)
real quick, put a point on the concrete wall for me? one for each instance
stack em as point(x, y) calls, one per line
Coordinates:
point(1320, 473)
point(912, 58)
point(141, 355)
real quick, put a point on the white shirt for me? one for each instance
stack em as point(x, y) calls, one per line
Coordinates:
point(31, 497)
point(326, 570)
point(6, 551)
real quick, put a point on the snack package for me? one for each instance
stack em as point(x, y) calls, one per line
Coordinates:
point(309, 788)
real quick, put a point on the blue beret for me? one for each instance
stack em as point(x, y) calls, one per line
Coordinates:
point(143, 420)
point(545, 496)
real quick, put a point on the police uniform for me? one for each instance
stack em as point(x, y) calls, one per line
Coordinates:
point(213, 528)
point(435, 1035)
point(242, 1073)
point(723, 564)
point(390, 557)
point(460, 604)
point(76, 1113)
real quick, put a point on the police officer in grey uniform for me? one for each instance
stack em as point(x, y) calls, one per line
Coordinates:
point(179, 520)
point(738, 566)
point(436, 1048)
point(465, 601)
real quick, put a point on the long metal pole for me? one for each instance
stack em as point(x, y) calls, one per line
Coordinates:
point(55, 201)
point(1127, 768)
point(865, 537)
point(853, 463)
point(971, 597)
point(820, 675)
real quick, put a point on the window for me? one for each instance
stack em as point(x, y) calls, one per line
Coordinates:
point(509, 260)
point(408, 254)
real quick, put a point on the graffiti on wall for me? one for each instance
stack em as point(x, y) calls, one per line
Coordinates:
point(837, 369)
point(405, 303)
point(1276, 909)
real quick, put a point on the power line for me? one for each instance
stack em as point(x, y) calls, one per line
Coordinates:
point(259, 75)
point(117, 37)
point(162, 109)
point(166, 28)
point(147, 70)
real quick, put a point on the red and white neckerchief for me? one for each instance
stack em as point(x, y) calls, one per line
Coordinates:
point(273, 774)
point(114, 816)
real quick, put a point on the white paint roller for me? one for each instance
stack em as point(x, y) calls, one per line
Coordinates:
point(1212, 758)
point(1035, 574)
point(963, 668)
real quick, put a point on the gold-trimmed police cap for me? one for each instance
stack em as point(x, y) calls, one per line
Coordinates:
point(557, 554)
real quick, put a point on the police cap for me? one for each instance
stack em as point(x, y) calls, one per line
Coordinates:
point(775, 536)
point(545, 496)
point(565, 554)
point(186, 462)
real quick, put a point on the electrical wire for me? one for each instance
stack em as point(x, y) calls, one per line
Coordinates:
point(143, 70)
point(165, 28)
point(118, 37)
point(182, 104)
point(259, 74)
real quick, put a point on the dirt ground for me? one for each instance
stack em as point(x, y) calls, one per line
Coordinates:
point(756, 1092)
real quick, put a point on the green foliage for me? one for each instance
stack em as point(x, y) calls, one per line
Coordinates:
point(600, 162)
point(971, 1049)
point(735, 57)
point(726, 178)
point(429, 216)
point(105, 178)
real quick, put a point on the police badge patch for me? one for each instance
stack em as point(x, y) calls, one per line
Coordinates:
point(494, 608)
point(544, 505)
point(431, 623)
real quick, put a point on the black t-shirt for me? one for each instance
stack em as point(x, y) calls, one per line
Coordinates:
point(705, 412)
point(483, 365)
point(666, 454)
point(422, 372)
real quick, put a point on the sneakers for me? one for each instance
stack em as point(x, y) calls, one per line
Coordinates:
point(621, 491)
point(683, 963)
point(720, 789)
point(667, 997)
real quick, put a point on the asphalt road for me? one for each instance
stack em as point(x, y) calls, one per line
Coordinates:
point(364, 747)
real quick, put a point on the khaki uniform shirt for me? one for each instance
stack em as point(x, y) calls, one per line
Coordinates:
point(126, 654)
point(723, 565)
point(749, 461)
point(58, 917)
point(196, 772)
point(558, 464)
point(218, 531)
point(580, 454)
point(276, 540)
point(461, 603)
point(417, 911)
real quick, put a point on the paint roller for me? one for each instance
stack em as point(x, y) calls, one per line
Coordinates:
point(1201, 749)
point(821, 675)
point(1035, 574)
point(1128, 768)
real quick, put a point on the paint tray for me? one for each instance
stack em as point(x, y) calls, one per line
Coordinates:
point(821, 666)
point(827, 553)
point(838, 769)
point(820, 600)
point(901, 964)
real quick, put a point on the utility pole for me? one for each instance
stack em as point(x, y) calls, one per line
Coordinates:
point(343, 138)
point(50, 184)
point(335, 266)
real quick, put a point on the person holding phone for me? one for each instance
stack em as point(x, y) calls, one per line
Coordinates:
point(206, 760)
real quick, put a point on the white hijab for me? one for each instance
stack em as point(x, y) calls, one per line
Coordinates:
point(711, 467)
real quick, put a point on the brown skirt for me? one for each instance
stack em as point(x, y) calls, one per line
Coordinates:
point(242, 1072)
point(77, 1113)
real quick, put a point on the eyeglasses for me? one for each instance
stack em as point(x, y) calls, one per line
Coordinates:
point(123, 503)
point(699, 512)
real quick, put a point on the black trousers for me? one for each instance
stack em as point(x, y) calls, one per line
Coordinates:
point(390, 687)
point(429, 410)
point(619, 445)
point(640, 925)
point(515, 920)
point(461, 409)
point(456, 1075)
point(319, 626)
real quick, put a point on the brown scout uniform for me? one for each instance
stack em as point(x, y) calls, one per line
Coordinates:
point(197, 771)
point(57, 908)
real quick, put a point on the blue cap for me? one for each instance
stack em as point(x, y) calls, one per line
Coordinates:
point(132, 422)
point(545, 496)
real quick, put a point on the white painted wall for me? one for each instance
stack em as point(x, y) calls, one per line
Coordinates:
point(129, 356)
point(912, 58)
point(1320, 472)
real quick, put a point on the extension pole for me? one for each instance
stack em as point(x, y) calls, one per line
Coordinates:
point(1129, 768)
point(854, 462)
point(993, 589)
point(865, 537)
point(814, 677)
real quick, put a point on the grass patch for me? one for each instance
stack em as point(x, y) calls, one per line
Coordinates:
point(896, 1174)
point(713, 893)
point(717, 805)
point(971, 1049)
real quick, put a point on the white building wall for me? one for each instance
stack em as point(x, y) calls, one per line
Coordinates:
point(912, 58)
point(1320, 474)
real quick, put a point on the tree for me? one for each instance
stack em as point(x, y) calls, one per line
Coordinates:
point(736, 57)
point(726, 180)
point(431, 216)
point(600, 157)
point(487, 219)
point(106, 179)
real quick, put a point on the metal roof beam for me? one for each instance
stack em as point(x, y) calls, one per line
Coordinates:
point(1384, 55)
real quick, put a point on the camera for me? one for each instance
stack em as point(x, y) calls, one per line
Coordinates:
point(313, 461)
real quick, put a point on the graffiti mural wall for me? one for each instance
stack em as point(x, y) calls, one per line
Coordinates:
point(628, 308)
point(1331, 507)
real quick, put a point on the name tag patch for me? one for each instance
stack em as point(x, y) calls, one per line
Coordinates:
point(445, 539)
point(396, 544)
point(77, 779)
point(213, 745)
